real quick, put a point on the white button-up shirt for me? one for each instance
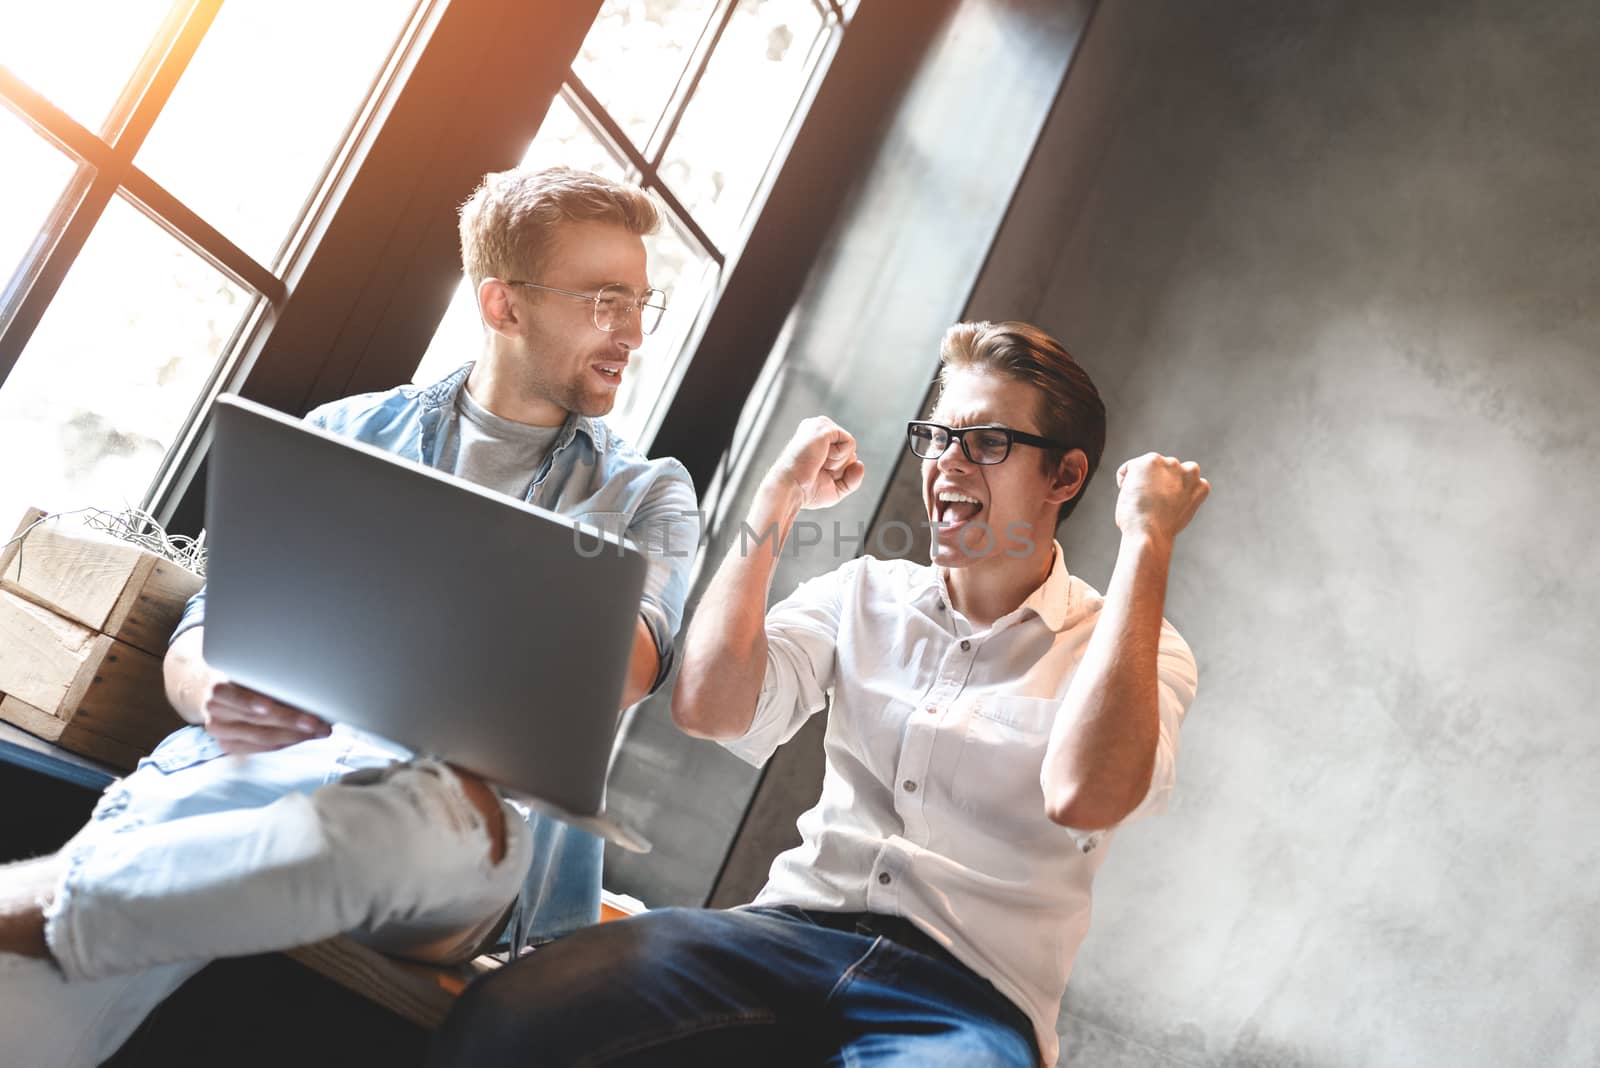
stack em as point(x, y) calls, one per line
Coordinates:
point(931, 803)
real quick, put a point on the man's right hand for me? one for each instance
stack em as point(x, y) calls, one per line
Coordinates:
point(819, 464)
point(244, 721)
point(240, 719)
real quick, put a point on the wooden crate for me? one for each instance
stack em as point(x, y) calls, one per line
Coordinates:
point(84, 622)
point(94, 579)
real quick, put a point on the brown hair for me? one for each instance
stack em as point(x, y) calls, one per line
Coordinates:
point(508, 222)
point(1070, 409)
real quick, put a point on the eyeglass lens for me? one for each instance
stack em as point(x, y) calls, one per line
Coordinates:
point(614, 306)
point(980, 446)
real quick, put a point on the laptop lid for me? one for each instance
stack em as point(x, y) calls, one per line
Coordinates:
point(370, 590)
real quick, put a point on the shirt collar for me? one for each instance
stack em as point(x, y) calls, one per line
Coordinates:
point(1054, 602)
point(443, 394)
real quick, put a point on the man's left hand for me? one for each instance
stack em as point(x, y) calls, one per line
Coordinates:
point(1158, 495)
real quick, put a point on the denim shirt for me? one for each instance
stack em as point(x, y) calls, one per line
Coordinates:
point(591, 475)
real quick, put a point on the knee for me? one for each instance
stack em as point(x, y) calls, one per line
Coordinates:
point(488, 805)
point(993, 1045)
point(555, 1000)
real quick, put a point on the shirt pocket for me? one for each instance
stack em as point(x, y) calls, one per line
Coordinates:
point(183, 749)
point(997, 773)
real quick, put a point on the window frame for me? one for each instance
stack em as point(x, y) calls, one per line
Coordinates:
point(362, 281)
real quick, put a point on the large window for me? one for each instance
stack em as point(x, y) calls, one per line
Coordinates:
point(158, 160)
point(168, 164)
point(693, 100)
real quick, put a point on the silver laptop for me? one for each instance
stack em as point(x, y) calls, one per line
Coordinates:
point(456, 621)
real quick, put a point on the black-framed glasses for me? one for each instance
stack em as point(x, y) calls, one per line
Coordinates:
point(616, 304)
point(981, 444)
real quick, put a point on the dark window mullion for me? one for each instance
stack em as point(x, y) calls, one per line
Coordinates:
point(648, 177)
point(710, 34)
point(112, 165)
point(157, 90)
point(682, 104)
point(80, 208)
point(205, 240)
point(146, 71)
point(69, 223)
point(55, 125)
point(39, 289)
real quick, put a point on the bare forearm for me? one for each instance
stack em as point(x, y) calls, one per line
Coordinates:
point(185, 674)
point(644, 664)
point(725, 653)
point(1102, 751)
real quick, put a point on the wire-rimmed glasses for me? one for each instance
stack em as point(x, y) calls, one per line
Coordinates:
point(615, 305)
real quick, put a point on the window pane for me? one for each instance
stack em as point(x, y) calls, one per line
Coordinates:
point(110, 375)
point(563, 139)
point(634, 55)
point(256, 118)
point(78, 54)
point(35, 176)
point(687, 276)
point(741, 110)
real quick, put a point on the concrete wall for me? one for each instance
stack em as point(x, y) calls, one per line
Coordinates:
point(1347, 255)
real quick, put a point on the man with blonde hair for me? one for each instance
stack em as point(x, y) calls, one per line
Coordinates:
point(263, 827)
point(992, 720)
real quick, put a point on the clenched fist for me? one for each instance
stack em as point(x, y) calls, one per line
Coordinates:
point(1159, 495)
point(819, 463)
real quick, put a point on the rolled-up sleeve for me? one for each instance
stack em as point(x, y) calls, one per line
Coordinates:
point(194, 615)
point(1177, 678)
point(667, 528)
point(802, 637)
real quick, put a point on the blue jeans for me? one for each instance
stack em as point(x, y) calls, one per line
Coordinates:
point(767, 986)
point(196, 856)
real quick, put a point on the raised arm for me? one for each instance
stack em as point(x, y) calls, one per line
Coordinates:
point(725, 652)
point(1102, 750)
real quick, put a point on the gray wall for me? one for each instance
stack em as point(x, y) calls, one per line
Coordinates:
point(1347, 256)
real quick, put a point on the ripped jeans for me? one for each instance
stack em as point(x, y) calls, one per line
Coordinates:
point(196, 856)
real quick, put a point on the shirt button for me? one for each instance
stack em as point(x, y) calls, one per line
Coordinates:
point(883, 877)
point(965, 645)
point(931, 710)
point(910, 786)
point(939, 604)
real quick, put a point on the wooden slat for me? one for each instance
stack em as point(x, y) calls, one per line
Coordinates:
point(81, 689)
point(14, 541)
point(70, 735)
point(417, 992)
point(43, 656)
point(149, 610)
point(76, 573)
point(100, 581)
point(125, 698)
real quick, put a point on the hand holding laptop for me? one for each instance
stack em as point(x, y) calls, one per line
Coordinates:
point(242, 720)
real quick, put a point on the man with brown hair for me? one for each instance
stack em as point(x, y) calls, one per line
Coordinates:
point(263, 827)
point(991, 721)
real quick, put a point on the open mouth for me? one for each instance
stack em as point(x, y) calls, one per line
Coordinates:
point(610, 373)
point(952, 509)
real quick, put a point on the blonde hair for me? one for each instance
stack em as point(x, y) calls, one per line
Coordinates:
point(508, 223)
point(1070, 409)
